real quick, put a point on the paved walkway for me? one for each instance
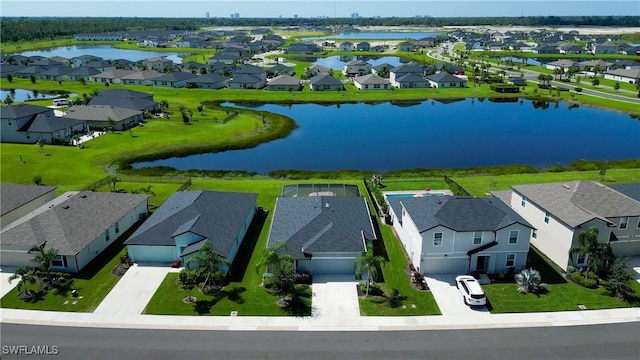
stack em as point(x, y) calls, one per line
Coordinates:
point(134, 290)
point(5, 285)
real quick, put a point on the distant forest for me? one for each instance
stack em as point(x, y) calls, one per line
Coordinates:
point(14, 29)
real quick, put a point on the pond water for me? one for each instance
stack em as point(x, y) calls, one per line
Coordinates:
point(106, 52)
point(378, 35)
point(517, 60)
point(337, 62)
point(21, 95)
point(431, 134)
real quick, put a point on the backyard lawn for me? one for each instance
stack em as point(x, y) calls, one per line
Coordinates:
point(561, 294)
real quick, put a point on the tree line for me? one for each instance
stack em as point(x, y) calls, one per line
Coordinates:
point(15, 29)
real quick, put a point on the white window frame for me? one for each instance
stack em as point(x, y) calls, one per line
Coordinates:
point(507, 260)
point(475, 237)
point(534, 234)
point(523, 202)
point(517, 234)
point(624, 221)
point(584, 257)
point(435, 237)
point(547, 216)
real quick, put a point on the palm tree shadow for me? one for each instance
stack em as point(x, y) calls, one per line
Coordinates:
point(299, 304)
point(203, 307)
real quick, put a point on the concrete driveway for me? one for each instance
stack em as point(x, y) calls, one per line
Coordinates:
point(448, 297)
point(334, 299)
point(5, 286)
point(635, 264)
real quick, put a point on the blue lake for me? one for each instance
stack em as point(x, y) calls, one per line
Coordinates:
point(337, 62)
point(378, 35)
point(21, 95)
point(517, 60)
point(106, 52)
point(431, 134)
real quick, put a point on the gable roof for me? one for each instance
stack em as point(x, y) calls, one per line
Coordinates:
point(321, 224)
point(49, 123)
point(462, 214)
point(217, 216)
point(73, 222)
point(370, 79)
point(630, 190)
point(244, 79)
point(176, 76)
point(12, 196)
point(100, 112)
point(444, 77)
point(577, 202)
point(22, 110)
point(248, 69)
point(209, 78)
point(284, 80)
point(324, 79)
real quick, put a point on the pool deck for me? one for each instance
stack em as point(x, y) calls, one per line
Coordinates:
point(418, 193)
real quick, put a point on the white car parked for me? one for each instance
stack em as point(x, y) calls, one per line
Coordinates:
point(471, 291)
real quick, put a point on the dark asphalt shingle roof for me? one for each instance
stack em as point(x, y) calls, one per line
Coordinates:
point(462, 214)
point(176, 76)
point(444, 77)
point(209, 79)
point(285, 80)
point(22, 110)
point(49, 123)
point(630, 190)
point(216, 216)
point(74, 223)
point(321, 224)
point(324, 79)
point(12, 196)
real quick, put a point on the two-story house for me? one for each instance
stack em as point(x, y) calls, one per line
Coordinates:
point(356, 68)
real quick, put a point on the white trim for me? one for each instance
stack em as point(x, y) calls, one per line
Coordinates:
point(441, 239)
point(517, 235)
point(474, 237)
point(506, 259)
point(626, 223)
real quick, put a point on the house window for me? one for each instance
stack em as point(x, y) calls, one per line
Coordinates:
point(477, 238)
point(59, 261)
point(624, 222)
point(437, 239)
point(511, 260)
point(534, 234)
point(546, 217)
point(513, 236)
point(117, 227)
point(523, 203)
point(582, 259)
point(107, 236)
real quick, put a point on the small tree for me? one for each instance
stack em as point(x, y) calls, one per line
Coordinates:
point(25, 275)
point(529, 281)
point(41, 144)
point(112, 181)
point(44, 258)
point(37, 180)
point(209, 264)
point(9, 78)
point(595, 82)
point(619, 278)
point(188, 281)
point(33, 79)
point(368, 262)
point(603, 170)
point(616, 86)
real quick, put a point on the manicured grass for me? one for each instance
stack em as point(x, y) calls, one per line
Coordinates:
point(93, 284)
point(161, 191)
point(561, 295)
point(397, 184)
point(480, 185)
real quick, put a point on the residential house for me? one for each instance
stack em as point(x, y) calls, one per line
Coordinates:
point(175, 79)
point(356, 68)
point(83, 59)
point(377, 48)
point(248, 77)
point(189, 219)
point(9, 69)
point(571, 49)
point(363, 46)
point(316, 69)
point(17, 200)
point(382, 70)
point(371, 82)
point(56, 74)
point(408, 76)
point(590, 64)
point(48, 64)
point(284, 83)
point(191, 42)
point(79, 225)
point(425, 43)
point(209, 81)
point(325, 82)
point(114, 76)
point(144, 77)
point(224, 59)
point(158, 63)
point(103, 116)
point(346, 46)
point(323, 234)
point(561, 211)
point(128, 99)
point(280, 69)
point(405, 46)
point(15, 118)
point(302, 48)
point(82, 74)
point(563, 64)
point(450, 234)
point(632, 50)
point(100, 65)
point(446, 80)
point(29, 71)
point(50, 129)
point(546, 49)
point(604, 48)
point(631, 76)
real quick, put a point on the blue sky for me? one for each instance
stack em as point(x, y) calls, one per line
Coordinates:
point(314, 8)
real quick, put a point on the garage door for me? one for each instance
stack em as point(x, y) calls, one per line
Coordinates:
point(332, 266)
point(444, 266)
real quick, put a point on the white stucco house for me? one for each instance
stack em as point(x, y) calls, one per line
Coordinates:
point(450, 234)
point(561, 211)
point(18, 200)
point(80, 225)
point(187, 220)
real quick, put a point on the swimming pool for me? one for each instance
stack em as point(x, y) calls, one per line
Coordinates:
point(413, 194)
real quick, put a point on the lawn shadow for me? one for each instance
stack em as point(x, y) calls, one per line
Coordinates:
point(64, 289)
point(548, 272)
point(203, 307)
point(243, 257)
point(300, 303)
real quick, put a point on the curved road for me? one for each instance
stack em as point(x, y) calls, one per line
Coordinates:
point(612, 341)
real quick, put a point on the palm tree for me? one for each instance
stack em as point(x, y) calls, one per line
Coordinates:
point(368, 262)
point(209, 262)
point(112, 181)
point(529, 280)
point(44, 258)
point(598, 253)
point(271, 256)
point(25, 274)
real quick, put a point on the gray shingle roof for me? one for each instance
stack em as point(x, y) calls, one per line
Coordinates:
point(320, 224)
point(217, 216)
point(630, 190)
point(285, 80)
point(49, 123)
point(577, 202)
point(209, 79)
point(444, 77)
point(462, 214)
point(100, 113)
point(22, 110)
point(244, 79)
point(324, 79)
point(370, 79)
point(12, 196)
point(176, 76)
point(71, 225)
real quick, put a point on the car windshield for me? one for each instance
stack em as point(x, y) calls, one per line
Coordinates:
point(477, 296)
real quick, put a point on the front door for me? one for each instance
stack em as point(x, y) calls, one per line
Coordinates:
point(482, 263)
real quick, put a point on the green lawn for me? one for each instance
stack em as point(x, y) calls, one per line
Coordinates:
point(93, 284)
point(561, 294)
point(398, 184)
point(161, 191)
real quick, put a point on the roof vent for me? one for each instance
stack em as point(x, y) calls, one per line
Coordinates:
point(65, 207)
point(566, 186)
point(83, 196)
point(326, 205)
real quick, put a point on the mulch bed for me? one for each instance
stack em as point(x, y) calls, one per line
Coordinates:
point(414, 285)
point(119, 269)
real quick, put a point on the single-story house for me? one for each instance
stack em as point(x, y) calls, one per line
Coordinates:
point(144, 77)
point(252, 70)
point(323, 234)
point(55, 73)
point(224, 59)
point(82, 73)
point(245, 81)
point(18, 200)
point(324, 82)
point(302, 48)
point(563, 64)
point(604, 48)
point(450, 234)
point(175, 79)
point(371, 82)
point(111, 76)
point(157, 63)
point(571, 49)
point(209, 81)
point(446, 80)
point(546, 49)
point(382, 69)
point(399, 71)
point(128, 99)
point(98, 116)
point(284, 83)
point(279, 69)
point(80, 225)
point(590, 64)
point(14, 119)
point(49, 128)
point(83, 59)
point(410, 81)
point(188, 219)
point(561, 211)
point(356, 68)
point(631, 76)
point(316, 69)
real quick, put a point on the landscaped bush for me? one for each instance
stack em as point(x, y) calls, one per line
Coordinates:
point(584, 279)
point(305, 278)
point(374, 289)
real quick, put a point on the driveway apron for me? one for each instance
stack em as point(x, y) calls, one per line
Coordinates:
point(335, 299)
point(448, 297)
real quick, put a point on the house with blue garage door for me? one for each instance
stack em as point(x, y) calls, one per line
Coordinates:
point(189, 219)
point(323, 234)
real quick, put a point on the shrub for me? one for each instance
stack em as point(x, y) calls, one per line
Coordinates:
point(578, 89)
point(579, 278)
point(374, 289)
point(529, 280)
point(305, 278)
